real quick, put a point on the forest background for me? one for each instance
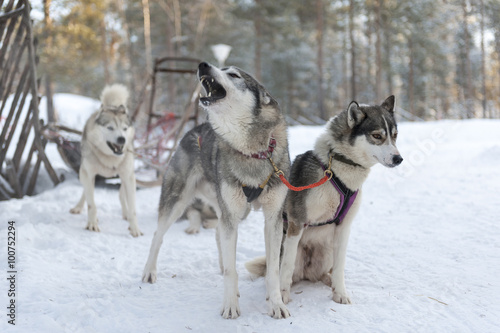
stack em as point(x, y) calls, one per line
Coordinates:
point(441, 58)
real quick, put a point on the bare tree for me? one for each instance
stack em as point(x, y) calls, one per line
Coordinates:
point(147, 34)
point(483, 61)
point(319, 59)
point(353, 49)
point(378, 49)
point(468, 92)
point(47, 21)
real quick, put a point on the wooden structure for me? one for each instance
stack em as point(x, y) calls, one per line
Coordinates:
point(163, 131)
point(21, 140)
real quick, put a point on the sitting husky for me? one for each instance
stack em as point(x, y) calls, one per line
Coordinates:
point(225, 162)
point(319, 219)
point(107, 150)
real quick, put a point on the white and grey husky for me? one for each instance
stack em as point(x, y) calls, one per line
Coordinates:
point(318, 220)
point(107, 150)
point(225, 163)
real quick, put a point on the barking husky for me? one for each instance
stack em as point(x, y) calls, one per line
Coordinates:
point(107, 150)
point(319, 219)
point(224, 162)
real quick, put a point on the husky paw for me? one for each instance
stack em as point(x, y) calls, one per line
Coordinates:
point(210, 223)
point(278, 310)
point(149, 277)
point(285, 295)
point(135, 232)
point(75, 210)
point(341, 297)
point(230, 310)
point(192, 230)
point(92, 226)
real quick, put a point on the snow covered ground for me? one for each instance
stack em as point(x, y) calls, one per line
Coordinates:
point(424, 253)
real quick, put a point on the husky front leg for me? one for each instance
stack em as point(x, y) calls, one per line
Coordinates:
point(123, 201)
point(273, 232)
point(88, 181)
point(228, 238)
point(129, 184)
point(290, 245)
point(340, 240)
point(79, 206)
point(195, 221)
point(233, 204)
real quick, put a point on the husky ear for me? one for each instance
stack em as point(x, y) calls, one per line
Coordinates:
point(389, 103)
point(265, 98)
point(122, 109)
point(354, 114)
point(99, 112)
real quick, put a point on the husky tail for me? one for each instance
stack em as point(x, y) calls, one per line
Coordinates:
point(257, 266)
point(114, 95)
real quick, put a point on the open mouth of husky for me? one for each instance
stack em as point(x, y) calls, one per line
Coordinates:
point(117, 149)
point(213, 89)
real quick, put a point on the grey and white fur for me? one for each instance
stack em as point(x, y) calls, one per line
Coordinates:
point(107, 150)
point(213, 162)
point(356, 139)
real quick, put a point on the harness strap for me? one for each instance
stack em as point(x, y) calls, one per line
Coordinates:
point(250, 192)
point(347, 196)
point(264, 155)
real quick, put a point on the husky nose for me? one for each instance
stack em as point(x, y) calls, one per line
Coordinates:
point(120, 140)
point(397, 159)
point(203, 66)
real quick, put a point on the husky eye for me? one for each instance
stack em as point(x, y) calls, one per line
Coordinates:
point(236, 76)
point(125, 128)
point(377, 136)
point(395, 136)
point(110, 128)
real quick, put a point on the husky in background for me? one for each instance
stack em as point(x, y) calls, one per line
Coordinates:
point(199, 214)
point(318, 220)
point(225, 163)
point(107, 150)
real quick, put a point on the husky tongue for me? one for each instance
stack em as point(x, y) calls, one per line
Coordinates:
point(213, 89)
point(117, 149)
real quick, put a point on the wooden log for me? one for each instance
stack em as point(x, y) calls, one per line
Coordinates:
point(5, 193)
point(11, 173)
point(27, 164)
point(34, 90)
point(15, 112)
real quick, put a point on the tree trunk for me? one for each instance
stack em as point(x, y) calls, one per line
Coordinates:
point(147, 35)
point(353, 50)
point(128, 55)
point(411, 97)
point(51, 113)
point(388, 45)
point(257, 22)
point(483, 61)
point(378, 50)
point(104, 51)
point(319, 60)
point(468, 92)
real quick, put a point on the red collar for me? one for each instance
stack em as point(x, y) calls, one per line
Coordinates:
point(264, 155)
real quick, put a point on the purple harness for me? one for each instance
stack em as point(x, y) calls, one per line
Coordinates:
point(347, 198)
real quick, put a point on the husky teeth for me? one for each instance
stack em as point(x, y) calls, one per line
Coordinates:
point(210, 94)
